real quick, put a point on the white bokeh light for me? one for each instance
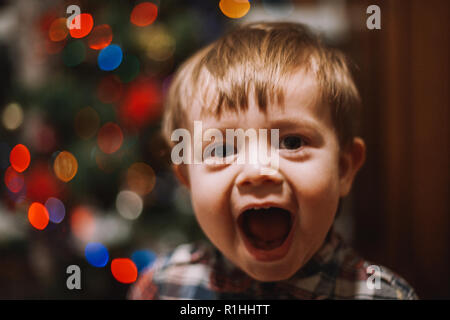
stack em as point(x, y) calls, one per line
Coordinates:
point(12, 116)
point(129, 204)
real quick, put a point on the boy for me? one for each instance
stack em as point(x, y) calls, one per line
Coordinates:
point(270, 222)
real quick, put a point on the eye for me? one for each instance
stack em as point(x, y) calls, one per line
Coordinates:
point(292, 142)
point(220, 150)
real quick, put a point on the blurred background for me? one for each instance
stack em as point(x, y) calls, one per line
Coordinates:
point(85, 176)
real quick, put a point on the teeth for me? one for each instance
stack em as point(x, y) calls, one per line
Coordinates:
point(265, 207)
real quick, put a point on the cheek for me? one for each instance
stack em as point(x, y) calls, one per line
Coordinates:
point(210, 200)
point(316, 185)
point(209, 190)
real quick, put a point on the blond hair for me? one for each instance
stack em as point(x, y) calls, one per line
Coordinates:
point(255, 58)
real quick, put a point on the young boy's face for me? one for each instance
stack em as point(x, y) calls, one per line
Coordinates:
point(271, 225)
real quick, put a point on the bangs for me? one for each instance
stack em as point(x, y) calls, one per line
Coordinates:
point(232, 91)
point(247, 63)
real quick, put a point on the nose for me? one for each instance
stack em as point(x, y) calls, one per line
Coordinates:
point(256, 175)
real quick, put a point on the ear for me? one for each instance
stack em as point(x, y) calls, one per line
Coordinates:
point(350, 161)
point(181, 174)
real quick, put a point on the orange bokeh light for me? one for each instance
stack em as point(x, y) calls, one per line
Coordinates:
point(234, 8)
point(86, 24)
point(124, 270)
point(13, 180)
point(144, 14)
point(110, 138)
point(19, 158)
point(141, 178)
point(82, 223)
point(58, 30)
point(65, 166)
point(100, 37)
point(38, 215)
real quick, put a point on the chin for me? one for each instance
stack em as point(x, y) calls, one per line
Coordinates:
point(271, 272)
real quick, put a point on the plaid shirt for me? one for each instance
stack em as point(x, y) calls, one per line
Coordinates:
point(199, 271)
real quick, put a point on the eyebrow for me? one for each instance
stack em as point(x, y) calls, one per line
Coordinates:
point(290, 123)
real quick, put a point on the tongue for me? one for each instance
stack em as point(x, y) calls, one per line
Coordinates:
point(268, 224)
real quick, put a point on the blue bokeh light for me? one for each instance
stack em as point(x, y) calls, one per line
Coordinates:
point(143, 259)
point(56, 210)
point(96, 254)
point(110, 57)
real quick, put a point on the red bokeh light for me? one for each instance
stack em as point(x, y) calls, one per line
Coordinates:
point(141, 104)
point(100, 37)
point(86, 24)
point(124, 270)
point(110, 138)
point(38, 215)
point(13, 180)
point(144, 14)
point(19, 158)
point(41, 184)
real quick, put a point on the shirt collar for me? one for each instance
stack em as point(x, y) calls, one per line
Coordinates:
point(225, 273)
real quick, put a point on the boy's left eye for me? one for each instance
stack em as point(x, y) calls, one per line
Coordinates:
point(291, 142)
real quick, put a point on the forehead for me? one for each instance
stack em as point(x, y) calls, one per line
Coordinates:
point(301, 99)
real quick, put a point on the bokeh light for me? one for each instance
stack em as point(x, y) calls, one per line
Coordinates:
point(65, 166)
point(129, 68)
point(109, 89)
point(12, 116)
point(234, 8)
point(140, 178)
point(141, 104)
point(82, 223)
point(100, 37)
point(110, 138)
point(96, 254)
point(144, 14)
point(58, 30)
point(158, 42)
point(74, 53)
point(110, 57)
point(87, 122)
point(124, 270)
point(129, 204)
point(38, 215)
point(55, 209)
point(19, 157)
point(86, 24)
point(143, 259)
point(14, 181)
point(41, 183)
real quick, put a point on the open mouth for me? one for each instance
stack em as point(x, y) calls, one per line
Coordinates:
point(265, 228)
